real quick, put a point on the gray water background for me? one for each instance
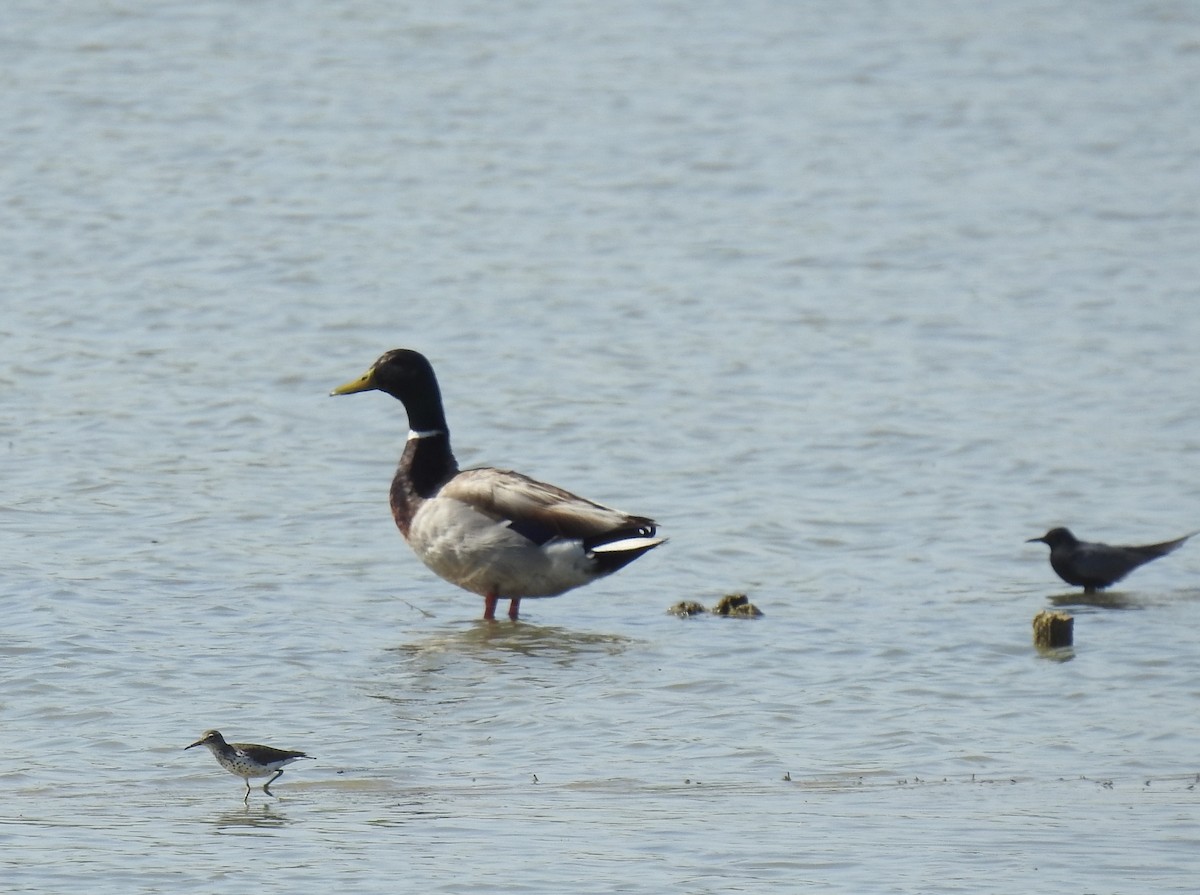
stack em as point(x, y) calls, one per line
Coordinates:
point(852, 297)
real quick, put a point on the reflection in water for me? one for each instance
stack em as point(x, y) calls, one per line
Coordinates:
point(1056, 653)
point(260, 815)
point(1115, 599)
point(520, 657)
point(1101, 600)
point(495, 641)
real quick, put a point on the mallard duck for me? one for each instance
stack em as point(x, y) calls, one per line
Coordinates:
point(491, 531)
point(1095, 566)
point(247, 760)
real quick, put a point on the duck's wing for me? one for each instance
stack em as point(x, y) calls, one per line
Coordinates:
point(537, 510)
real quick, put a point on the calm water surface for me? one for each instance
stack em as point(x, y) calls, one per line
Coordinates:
point(853, 298)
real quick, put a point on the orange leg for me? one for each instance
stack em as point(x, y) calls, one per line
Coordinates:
point(513, 606)
point(489, 606)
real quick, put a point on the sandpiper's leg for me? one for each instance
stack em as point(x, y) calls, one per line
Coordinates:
point(489, 606)
point(267, 785)
point(247, 798)
point(513, 607)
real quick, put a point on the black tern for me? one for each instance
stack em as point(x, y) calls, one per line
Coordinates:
point(1095, 566)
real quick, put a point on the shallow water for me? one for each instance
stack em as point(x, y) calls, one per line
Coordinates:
point(852, 299)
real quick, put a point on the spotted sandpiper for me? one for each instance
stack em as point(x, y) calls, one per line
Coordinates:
point(247, 760)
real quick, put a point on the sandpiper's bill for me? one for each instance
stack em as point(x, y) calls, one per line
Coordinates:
point(247, 760)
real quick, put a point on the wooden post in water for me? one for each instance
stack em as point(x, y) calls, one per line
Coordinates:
point(1053, 630)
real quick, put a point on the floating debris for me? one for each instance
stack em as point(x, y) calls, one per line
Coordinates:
point(731, 605)
point(1053, 630)
point(737, 606)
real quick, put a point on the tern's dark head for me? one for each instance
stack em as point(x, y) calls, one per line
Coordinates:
point(1056, 537)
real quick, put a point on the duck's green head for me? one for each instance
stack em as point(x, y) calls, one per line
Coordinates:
point(408, 376)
